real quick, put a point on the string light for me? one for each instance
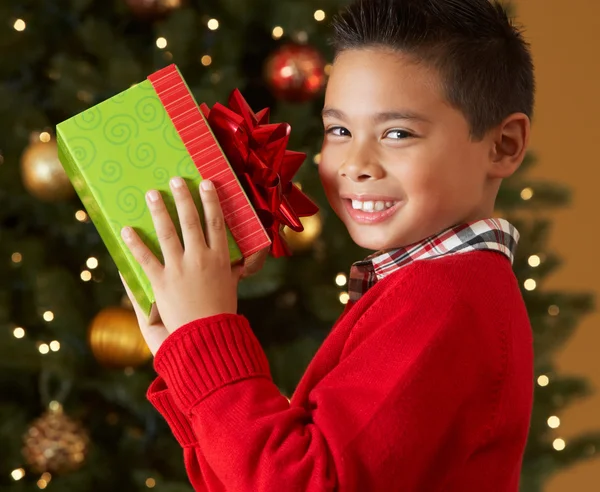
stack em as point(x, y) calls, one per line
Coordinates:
point(206, 60)
point(553, 422)
point(215, 77)
point(302, 36)
point(317, 159)
point(559, 444)
point(150, 482)
point(45, 137)
point(213, 24)
point(19, 25)
point(16, 257)
point(48, 316)
point(327, 68)
point(85, 96)
point(319, 15)
point(55, 346)
point(81, 216)
point(277, 32)
point(344, 297)
point(17, 474)
point(543, 380)
point(42, 484)
point(168, 55)
point(55, 406)
point(129, 371)
point(534, 261)
point(43, 348)
point(161, 43)
point(341, 279)
point(86, 275)
point(91, 263)
point(530, 284)
point(19, 332)
point(553, 310)
point(526, 193)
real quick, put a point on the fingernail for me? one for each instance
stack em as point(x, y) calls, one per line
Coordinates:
point(207, 185)
point(126, 233)
point(177, 182)
point(153, 196)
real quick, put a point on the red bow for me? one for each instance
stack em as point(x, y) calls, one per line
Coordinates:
point(257, 153)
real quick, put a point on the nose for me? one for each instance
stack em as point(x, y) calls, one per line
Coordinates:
point(360, 164)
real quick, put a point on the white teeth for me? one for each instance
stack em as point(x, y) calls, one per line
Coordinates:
point(371, 206)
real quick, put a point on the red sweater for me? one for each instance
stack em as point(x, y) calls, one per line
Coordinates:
point(423, 385)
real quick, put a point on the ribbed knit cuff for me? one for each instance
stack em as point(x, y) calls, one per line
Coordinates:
point(161, 398)
point(207, 354)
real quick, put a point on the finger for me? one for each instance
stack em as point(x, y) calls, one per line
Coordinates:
point(141, 253)
point(254, 263)
point(134, 304)
point(216, 236)
point(166, 232)
point(191, 227)
point(154, 332)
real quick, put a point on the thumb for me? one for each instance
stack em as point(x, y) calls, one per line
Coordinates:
point(237, 272)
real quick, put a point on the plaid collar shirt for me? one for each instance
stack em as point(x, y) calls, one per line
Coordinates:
point(488, 234)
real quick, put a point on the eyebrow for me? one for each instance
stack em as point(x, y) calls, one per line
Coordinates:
point(377, 117)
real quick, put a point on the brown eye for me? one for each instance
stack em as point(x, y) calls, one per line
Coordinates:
point(398, 134)
point(339, 131)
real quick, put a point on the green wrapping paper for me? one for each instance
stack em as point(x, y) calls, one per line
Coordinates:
point(114, 153)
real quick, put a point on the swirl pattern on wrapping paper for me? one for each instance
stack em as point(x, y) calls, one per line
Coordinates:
point(186, 167)
point(130, 201)
point(146, 85)
point(111, 171)
point(161, 175)
point(141, 155)
point(89, 120)
point(150, 111)
point(83, 150)
point(120, 98)
point(115, 226)
point(172, 138)
point(121, 128)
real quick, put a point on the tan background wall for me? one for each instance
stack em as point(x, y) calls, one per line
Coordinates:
point(565, 38)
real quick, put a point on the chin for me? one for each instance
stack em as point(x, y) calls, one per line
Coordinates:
point(372, 240)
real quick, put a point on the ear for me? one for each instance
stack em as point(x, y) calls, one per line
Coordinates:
point(511, 139)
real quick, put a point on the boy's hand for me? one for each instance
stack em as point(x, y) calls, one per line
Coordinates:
point(197, 279)
point(152, 328)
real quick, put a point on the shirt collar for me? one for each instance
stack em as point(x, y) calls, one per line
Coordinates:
point(487, 234)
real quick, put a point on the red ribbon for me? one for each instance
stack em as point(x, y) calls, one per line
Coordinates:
point(256, 150)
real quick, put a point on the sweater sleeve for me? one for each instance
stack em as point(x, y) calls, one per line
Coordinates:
point(413, 394)
point(161, 398)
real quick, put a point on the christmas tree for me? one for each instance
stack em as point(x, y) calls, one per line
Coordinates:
point(73, 368)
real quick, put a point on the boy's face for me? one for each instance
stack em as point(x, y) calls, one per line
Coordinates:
point(397, 163)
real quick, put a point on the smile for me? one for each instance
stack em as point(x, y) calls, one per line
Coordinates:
point(371, 211)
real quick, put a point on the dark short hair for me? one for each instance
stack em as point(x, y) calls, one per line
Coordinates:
point(484, 63)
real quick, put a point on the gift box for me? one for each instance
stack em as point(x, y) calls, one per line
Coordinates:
point(137, 140)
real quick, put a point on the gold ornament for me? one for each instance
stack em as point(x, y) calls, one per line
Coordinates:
point(42, 172)
point(302, 241)
point(55, 443)
point(115, 339)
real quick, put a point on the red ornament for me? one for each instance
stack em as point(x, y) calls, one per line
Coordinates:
point(152, 9)
point(295, 72)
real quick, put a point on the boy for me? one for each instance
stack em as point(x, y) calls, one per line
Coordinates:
point(425, 382)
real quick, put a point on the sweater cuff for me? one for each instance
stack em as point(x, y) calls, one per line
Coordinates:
point(207, 354)
point(161, 398)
